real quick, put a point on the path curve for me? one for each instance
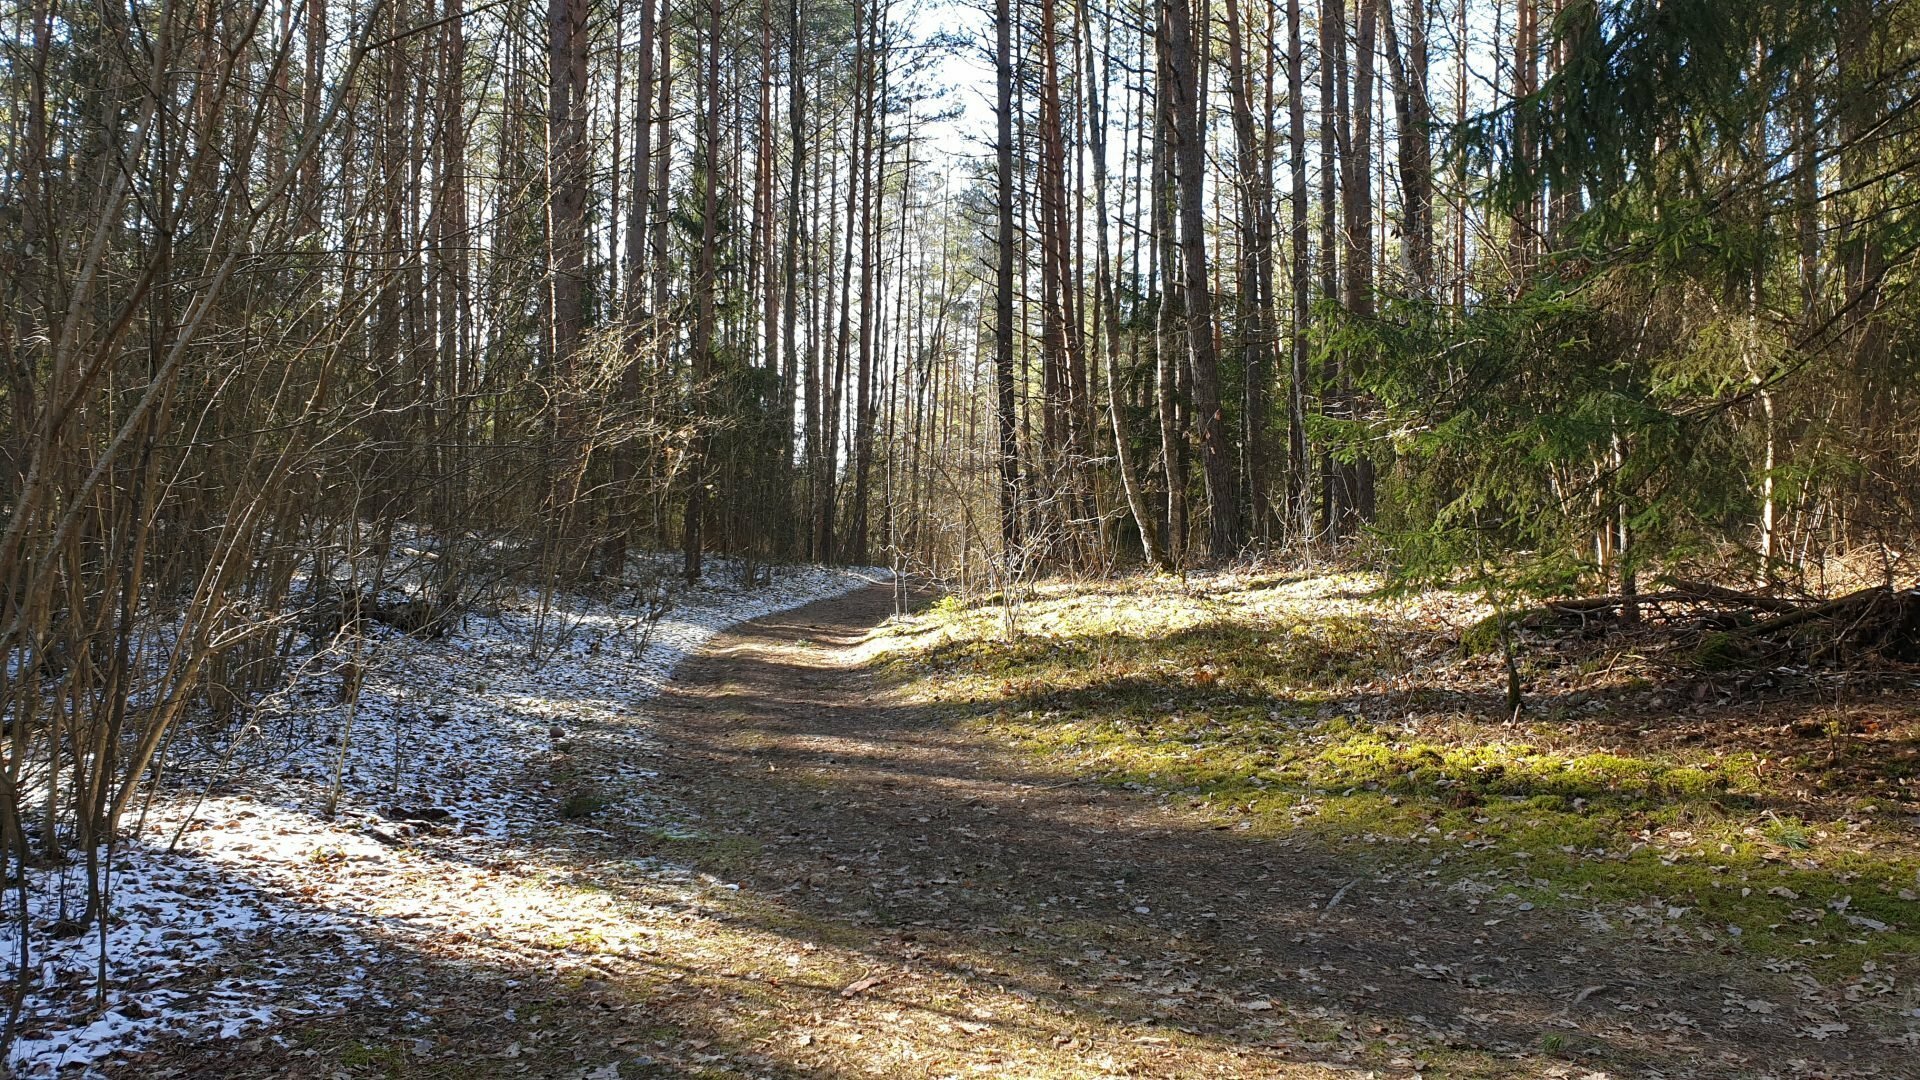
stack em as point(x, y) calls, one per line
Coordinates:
point(1135, 934)
point(880, 890)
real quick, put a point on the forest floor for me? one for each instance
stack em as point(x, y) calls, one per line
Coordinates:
point(1218, 827)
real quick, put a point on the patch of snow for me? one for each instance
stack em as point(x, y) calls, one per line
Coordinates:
point(239, 904)
point(173, 916)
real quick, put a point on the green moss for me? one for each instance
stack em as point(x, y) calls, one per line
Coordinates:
point(389, 1060)
point(1483, 637)
point(948, 607)
point(1222, 704)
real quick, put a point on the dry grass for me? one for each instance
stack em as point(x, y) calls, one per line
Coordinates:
point(1777, 814)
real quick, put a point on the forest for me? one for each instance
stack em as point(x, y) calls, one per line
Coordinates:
point(337, 328)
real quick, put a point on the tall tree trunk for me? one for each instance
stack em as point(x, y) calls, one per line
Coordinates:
point(566, 230)
point(1189, 157)
point(1005, 422)
point(1413, 112)
point(836, 396)
point(1255, 270)
point(766, 194)
point(634, 288)
point(819, 304)
point(1097, 83)
point(1354, 478)
point(872, 170)
point(797, 135)
point(1459, 196)
point(1300, 511)
point(452, 263)
point(1335, 137)
point(665, 358)
point(1526, 75)
point(704, 287)
point(663, 173)
point(1062, 354)
point(1169, 344)
point(313, 81)
point(566, 180)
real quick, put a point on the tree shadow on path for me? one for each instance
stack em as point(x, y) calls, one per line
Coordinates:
point(879, 889)
point(894, 826)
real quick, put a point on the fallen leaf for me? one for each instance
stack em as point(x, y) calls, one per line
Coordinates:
point(861, 986)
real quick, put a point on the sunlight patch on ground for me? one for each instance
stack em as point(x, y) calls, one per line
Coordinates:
point(458, 754)
point(1325, 706)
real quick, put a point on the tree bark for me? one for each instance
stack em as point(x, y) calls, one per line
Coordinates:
point(1299, 509)
point(1255, 270)
point(704, 288)
point(1169, 344)
point(1097, 83)
point(1413, 112)
point(1189, 158)
point(872, 170)
point(1005, 422)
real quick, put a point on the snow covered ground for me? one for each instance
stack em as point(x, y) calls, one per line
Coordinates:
point(238, 885)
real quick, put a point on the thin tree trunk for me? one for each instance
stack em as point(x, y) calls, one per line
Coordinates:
point(1413, 112)
point(1334, 139)
point(872, 169)
point(1097, 83)
point(1189, 157)
point(1169, 345)
point(1526, 218)
point(1255, 270)
point(797, 134)
point(704, 287)
point(566, 230)
point(1356, 173)
point(1300, 511)
point(1010, 530)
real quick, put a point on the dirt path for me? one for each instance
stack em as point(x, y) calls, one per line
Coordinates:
point(1094, 923)
point(883, 892)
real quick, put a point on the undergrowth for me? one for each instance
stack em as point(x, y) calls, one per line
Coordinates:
point(1320, 707)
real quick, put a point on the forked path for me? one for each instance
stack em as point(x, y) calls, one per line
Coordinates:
point(988, 915)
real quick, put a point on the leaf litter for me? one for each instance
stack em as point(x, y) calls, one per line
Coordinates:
point(239, 905)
